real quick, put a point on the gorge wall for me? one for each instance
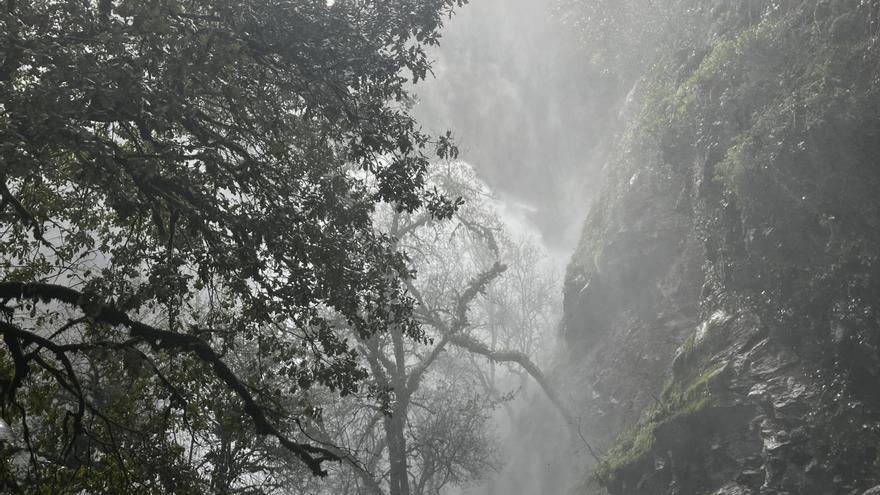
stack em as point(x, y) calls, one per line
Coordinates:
point(722, 311)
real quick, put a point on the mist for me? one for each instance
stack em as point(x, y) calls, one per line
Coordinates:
point(528, 111)
point(532, 116)
point(437, 247)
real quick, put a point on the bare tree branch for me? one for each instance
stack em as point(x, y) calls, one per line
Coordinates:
point(475, 287)
point(508, 356)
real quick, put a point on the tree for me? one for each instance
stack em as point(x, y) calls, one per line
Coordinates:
point(434, 428)
point(186, 195)
point(625, 37)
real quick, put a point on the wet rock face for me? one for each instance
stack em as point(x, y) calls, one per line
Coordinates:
point(626, 312)
point(733, 489)
point(754, 422)
point(723, 309)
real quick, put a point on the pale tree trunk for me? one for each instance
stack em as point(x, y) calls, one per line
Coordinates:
point(399, 476)
point(395, 426)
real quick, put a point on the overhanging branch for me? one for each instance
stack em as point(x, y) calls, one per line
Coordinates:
point(473, 345)
point(507, 356)
point(166, 340)
point(475, 287)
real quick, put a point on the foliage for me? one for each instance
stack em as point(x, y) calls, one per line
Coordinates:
point(766, 118)
point(784, 113)
point(187, 198)
point(624, 37)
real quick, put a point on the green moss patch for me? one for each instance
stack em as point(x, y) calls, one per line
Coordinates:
point(677, 400)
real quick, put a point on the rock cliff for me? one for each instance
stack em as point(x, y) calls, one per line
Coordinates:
point(722, 311)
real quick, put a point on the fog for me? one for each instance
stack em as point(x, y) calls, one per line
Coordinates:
point(527, 109)
point(532, 116)
point(240, 255)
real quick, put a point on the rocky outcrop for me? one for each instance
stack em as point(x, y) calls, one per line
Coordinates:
point(723, 308)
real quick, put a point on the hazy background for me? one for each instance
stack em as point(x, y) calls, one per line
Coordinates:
point(526, 108)
point(528, 112)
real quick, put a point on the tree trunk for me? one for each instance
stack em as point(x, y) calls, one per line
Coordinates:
point(395, 426)
point(394, 430)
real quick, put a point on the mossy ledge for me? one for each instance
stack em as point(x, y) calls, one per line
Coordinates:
point(677, 402)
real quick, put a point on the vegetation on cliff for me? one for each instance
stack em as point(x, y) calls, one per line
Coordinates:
point(756, 134)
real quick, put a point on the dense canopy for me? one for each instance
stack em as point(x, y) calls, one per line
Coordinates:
point(183, 179)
